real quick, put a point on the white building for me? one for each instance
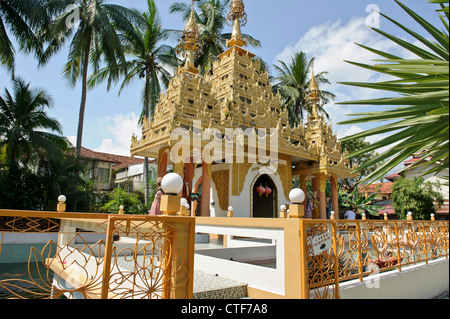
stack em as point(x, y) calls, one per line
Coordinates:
point(132, 177)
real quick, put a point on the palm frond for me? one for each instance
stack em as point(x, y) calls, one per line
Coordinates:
point(419, 123)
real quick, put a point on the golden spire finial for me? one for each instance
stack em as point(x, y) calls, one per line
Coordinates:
point(314, 92)
point(313, 87)
point(238, 18)
point(190, 39)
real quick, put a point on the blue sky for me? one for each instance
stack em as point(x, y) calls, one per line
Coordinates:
point(325, 29)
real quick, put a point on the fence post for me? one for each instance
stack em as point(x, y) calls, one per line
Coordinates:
point(230, 212)
point(333, 216)
point(283, 212)
point(336, 259)
point(360, 263)
point(168, 260)
point(61, 207)
point(399, 256)
point(425, 242)
point(304, 260)
point(107, 258)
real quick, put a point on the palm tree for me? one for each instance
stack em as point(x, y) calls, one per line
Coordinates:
point(18, 17)
point(420, 121)
point(356, 200)
point(25, 126)
point(96, 40)
point(150, 62)
point(211, 20)
point(62, 176)
point(293, 82)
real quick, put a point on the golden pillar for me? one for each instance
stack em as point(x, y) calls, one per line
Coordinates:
point(206, 189)
point(163, 158)
point(302, 183)
point(334, 194)
point(188, 180)
point(322, 186)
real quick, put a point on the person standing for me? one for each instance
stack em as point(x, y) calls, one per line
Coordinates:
point(155, 210)
point(350, 214)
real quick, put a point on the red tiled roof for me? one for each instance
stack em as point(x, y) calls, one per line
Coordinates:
point(389, 209)
point(392, 177)
point(444, 208)
point(380, 188)
point(119, 160)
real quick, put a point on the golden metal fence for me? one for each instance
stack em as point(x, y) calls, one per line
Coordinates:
point(340, 250)
point(97, 256)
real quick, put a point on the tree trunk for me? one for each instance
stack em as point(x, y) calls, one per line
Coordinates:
point(146, 117)
point(83, 100)
point(82, 110)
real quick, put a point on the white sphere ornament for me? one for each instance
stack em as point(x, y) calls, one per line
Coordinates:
point(230, 208)
point(297, 196)
point(183, 202)
point(172, 184)
point(62, 198)
point(283, 207)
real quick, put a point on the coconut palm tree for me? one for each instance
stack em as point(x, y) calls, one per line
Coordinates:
point(95, 40)
point(62, 176)
point(150, 61)
point(420, 119)
point(19, 18)
point(293, 82)
point(25, 126)
point(211, 20)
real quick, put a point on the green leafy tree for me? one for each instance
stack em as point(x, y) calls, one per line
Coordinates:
point(151, 61)
point(19, 18)
point(211, 20)
point(416, 196)
point(350, 146)
point(61, 176)
point(25, 125)
point(96, 40)
point(120, 197)
point(293, 82)
point(419, 119)
point(356, 200)
point(20, 188)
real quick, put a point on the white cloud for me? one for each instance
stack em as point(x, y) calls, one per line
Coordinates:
point(331, 44)
point(72, 140)
point(119, 129)
point(348, 131)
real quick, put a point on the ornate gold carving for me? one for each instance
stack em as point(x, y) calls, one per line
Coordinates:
point(222, 181)
point(285, 173)
point(323, 182)
point(240, 172)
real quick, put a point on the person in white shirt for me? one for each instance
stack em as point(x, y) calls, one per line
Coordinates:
point(350, 214)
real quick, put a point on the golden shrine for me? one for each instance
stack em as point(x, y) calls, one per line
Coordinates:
point(192, 125)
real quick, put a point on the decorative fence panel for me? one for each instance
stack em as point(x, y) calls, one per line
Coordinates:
point(96, 256)
point(336, 251)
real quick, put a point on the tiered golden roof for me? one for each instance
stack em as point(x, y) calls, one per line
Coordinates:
point(237, 94)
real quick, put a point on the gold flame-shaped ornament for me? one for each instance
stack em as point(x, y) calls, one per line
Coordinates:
point(237, 18)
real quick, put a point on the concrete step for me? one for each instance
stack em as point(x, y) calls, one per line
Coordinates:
point(209, 286)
